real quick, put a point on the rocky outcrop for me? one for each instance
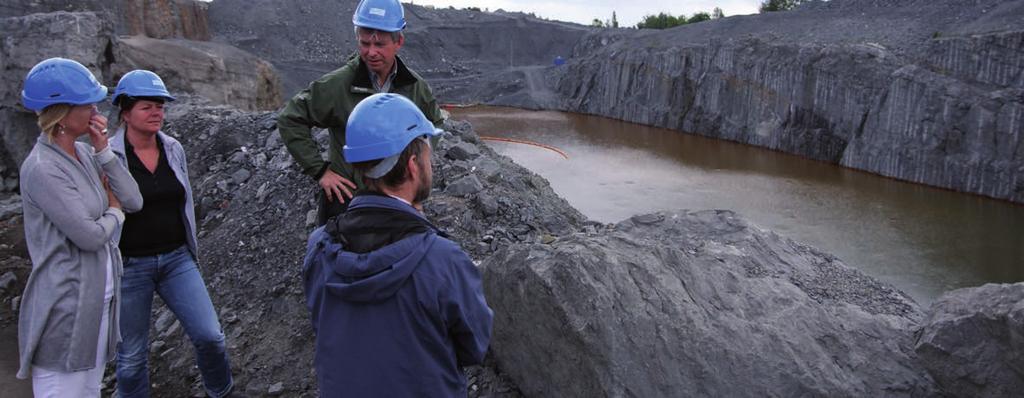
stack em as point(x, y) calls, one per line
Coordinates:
point(696, 304)
point(161, 19)
point(912, 104)
point(218, 72)
point(972, 342)
point(165, 19)
point(84, 37)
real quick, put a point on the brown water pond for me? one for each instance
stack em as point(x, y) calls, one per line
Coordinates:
point(922, 240)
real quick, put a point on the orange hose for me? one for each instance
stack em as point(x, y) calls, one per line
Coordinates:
point(536, 144)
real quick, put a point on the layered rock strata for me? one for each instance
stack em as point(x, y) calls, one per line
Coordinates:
point(940, 110)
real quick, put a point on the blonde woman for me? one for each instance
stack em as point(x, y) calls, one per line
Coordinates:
point(74, 197)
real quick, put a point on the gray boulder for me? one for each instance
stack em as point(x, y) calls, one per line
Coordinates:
point(463, 151)
point(696, 304)
point(972, 342)
point(218, 72)
point(465, 186)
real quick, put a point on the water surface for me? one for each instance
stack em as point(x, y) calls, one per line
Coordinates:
point(923, 240)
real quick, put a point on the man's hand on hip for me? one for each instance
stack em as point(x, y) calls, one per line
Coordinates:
point(335, 186)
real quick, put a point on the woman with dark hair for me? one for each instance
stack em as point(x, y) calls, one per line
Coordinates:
point(73, 195)
point(159, 245)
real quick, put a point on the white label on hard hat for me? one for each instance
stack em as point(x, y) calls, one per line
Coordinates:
point(378, 11)
point(158, 83)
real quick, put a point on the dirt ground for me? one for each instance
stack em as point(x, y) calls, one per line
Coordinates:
point(13, 258)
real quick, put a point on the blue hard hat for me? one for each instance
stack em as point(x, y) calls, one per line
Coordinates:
point(382, 125)
point(385, 15)
point(141, 83)
point(60, 81)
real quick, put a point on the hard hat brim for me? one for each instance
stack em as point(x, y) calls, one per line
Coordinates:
point(95, 95)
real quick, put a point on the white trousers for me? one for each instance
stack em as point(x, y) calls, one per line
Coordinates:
point(86, 383)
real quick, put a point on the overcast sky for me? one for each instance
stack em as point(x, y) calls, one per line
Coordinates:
point(584, 11)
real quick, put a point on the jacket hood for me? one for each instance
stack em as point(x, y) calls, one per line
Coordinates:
point(372, 249)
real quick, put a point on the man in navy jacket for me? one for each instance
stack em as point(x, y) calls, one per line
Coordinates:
point(397, 308)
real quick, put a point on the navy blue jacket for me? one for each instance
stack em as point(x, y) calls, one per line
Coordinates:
point(397, 308)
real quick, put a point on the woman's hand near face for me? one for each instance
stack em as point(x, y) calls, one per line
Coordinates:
point(98, 132)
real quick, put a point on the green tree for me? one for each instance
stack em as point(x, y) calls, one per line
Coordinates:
point(779, 5)
point(615, 21)
point(699, 17)
point(660, 21)
point(597, 23)
point(717, 13)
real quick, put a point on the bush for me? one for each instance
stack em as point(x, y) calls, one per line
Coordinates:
point(699, 17)
point(779, 5)
point(665, 21)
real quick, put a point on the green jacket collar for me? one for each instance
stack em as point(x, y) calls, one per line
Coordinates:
point(361, 81)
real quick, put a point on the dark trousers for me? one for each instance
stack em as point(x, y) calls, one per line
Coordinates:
point(327, 209)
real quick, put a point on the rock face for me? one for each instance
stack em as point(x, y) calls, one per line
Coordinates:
point(888, 91)
point(161, 19)
point(696, 304)
point(164, 19)
point(972, 342)
point(218, 72)
point(84, 37)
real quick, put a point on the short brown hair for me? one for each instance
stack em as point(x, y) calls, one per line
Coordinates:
point(127, 102)
point(395, 36)
point(398, 174)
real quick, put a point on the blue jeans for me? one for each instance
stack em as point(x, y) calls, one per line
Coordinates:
point(176, 278)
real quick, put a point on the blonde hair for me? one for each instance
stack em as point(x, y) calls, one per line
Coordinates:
point(49, 119)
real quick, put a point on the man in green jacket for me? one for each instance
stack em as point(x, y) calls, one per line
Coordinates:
point(327, 102)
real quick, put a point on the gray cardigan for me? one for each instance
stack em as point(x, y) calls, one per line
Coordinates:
point(71, 231)
point(176, 158)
